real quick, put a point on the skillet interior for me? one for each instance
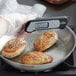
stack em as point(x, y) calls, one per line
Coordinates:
point(60, 51)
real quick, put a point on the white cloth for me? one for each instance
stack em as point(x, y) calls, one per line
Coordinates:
point(12, 6)
point(17, 14)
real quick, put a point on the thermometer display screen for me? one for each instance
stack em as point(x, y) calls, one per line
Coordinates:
point(41, 25)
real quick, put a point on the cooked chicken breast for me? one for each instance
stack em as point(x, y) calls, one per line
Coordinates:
point(35, 58)
point(14, 48)
point(45, 41)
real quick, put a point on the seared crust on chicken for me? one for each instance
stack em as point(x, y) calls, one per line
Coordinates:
point(14, 48)
point(35, 58)
point(45, 41)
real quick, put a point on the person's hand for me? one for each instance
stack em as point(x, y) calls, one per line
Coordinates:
point(18, 22)
point(21, 31)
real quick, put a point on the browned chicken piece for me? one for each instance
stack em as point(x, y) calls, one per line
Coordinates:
point(14, 48)
point(57, 1)
point(45, 41)
point(36, 58)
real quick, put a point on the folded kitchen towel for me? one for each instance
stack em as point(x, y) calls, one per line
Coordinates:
point(17, 14)
point(12, 6)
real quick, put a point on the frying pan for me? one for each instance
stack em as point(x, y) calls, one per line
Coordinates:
point(60, 51)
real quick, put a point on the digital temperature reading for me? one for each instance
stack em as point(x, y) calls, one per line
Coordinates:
point(41, 25)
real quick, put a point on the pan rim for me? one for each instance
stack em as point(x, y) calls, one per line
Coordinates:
point(47, 63)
